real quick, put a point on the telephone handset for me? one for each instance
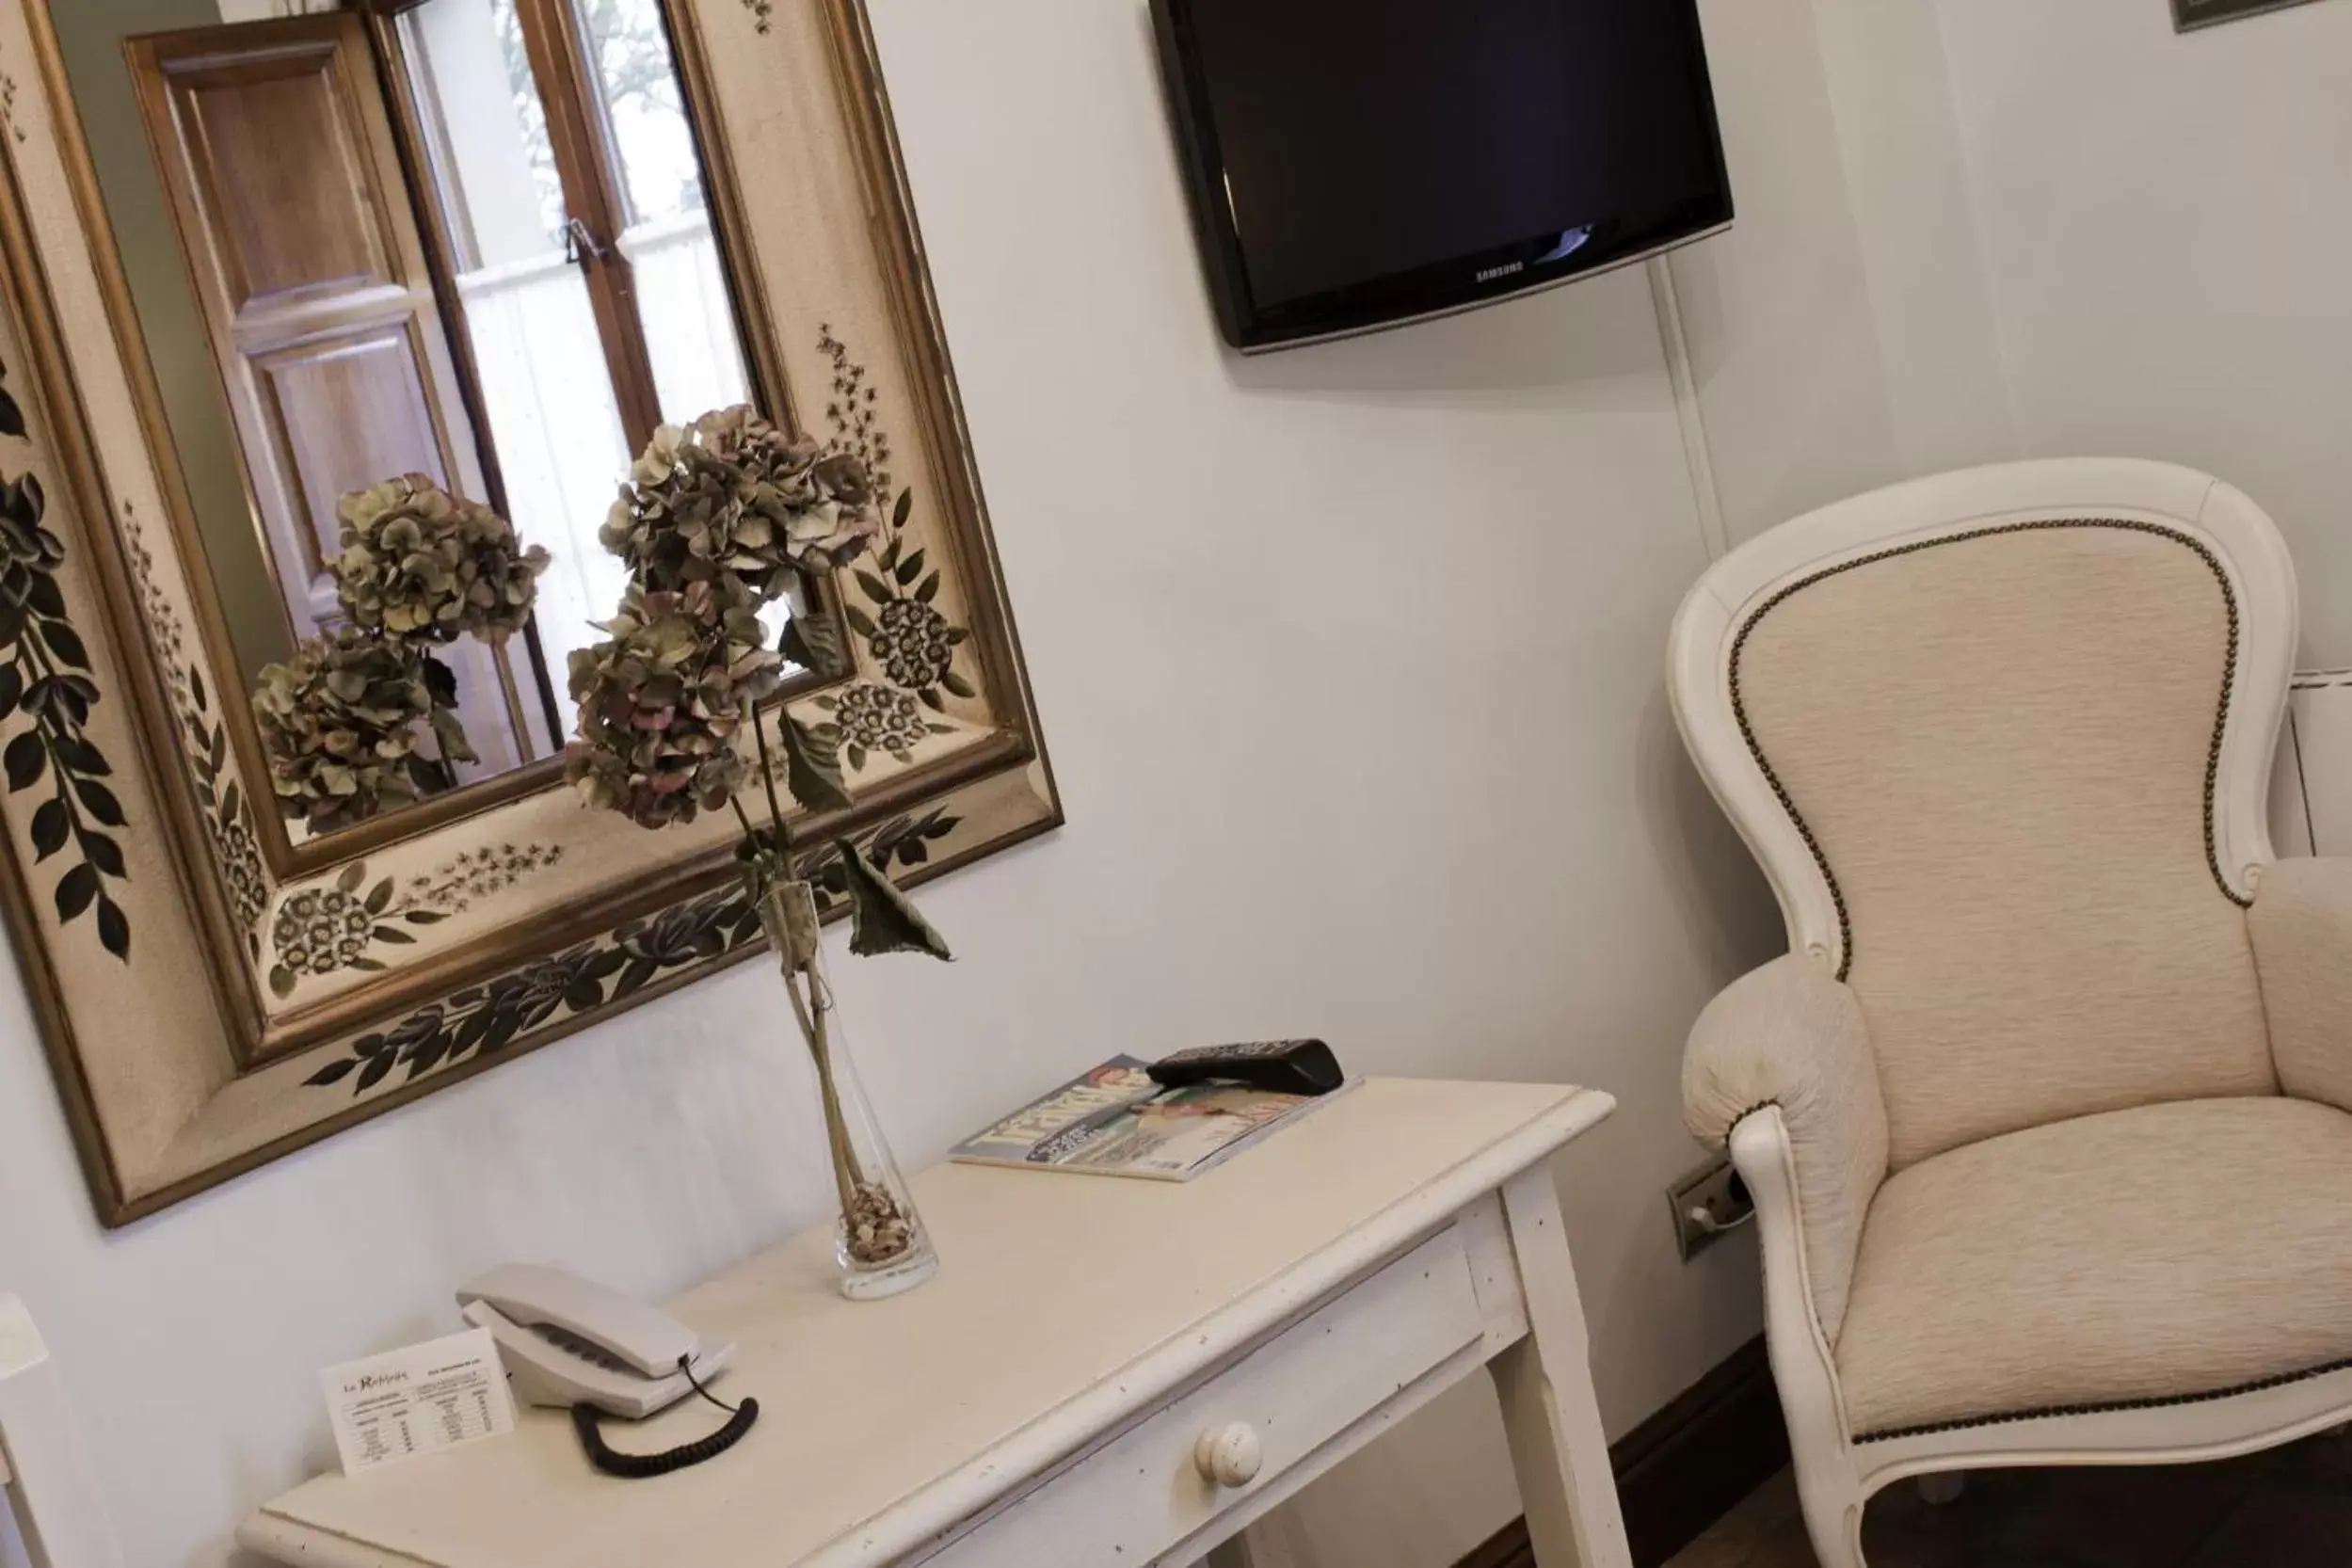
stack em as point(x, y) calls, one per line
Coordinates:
point(570, 1343)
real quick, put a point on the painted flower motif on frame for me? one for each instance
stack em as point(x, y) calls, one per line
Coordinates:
point(910, 641)
point(485, 1020)
point(870, 717)
point(688, 936)
point(226, 816)
point(45, 678)
point(453, 887)
point(322, 931)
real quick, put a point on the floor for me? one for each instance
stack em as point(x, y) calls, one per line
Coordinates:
point(2288, 1508)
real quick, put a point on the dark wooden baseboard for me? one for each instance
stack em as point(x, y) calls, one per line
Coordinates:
point(1685, 1467)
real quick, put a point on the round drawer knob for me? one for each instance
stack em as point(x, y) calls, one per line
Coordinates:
point(1228, 1455)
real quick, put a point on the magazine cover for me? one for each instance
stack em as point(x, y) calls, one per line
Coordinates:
point(1113, 1120)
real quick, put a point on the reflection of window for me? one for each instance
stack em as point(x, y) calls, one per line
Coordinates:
point(588, 283)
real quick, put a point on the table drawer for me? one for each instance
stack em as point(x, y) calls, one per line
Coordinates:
point(1144, 1491)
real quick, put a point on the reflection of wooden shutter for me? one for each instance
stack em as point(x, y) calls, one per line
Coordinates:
point(272, 140)
point(274, 144)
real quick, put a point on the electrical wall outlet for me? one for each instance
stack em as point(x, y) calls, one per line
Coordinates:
point(1709, 1204)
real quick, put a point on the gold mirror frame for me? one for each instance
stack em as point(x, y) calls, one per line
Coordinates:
point(198, 1022)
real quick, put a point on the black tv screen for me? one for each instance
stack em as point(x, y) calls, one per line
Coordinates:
point(1358, 163)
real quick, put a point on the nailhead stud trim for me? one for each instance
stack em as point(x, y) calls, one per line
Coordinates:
point(2132, 525)
point(2057, 1411)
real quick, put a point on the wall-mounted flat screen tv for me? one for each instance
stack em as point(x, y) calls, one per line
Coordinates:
point(1356, 163)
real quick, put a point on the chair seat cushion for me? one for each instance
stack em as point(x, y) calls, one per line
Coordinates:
point(2167, 1252)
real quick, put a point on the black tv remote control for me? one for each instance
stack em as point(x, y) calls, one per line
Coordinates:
point(1284, 1066)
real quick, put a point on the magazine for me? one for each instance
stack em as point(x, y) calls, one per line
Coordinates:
point(1115, 1121)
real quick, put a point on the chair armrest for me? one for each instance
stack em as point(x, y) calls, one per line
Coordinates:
point(1790, 1035)
point(2302, 927)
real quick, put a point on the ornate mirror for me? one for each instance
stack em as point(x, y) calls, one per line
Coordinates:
point(291, 302)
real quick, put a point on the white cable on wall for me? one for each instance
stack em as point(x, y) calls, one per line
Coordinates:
point(1686, 411)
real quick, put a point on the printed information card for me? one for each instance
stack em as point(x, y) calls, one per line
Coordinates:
point(418, 1400)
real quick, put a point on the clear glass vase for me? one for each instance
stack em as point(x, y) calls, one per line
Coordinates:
point(879, 1241)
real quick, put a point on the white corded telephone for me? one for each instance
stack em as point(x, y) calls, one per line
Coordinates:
point(568, 1341)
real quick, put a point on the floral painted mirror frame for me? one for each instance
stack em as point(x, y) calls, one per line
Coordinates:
point(212, 1000)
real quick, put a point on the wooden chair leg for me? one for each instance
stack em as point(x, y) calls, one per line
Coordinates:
point(1544, 1381)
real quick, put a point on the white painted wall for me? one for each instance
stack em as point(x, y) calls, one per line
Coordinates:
point(1791, 375)
point(1900, 155)
point(2164, 221)
point(1349, 662)
point(1840, 334)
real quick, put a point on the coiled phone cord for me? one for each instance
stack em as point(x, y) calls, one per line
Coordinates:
point(586, 1420)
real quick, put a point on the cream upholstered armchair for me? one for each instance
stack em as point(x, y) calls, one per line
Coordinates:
point(2045, 1114)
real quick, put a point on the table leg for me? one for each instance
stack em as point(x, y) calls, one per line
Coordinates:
point(1544, 1381)
point(1267, 1543)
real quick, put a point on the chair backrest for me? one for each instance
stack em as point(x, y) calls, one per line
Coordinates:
point(42, 1469)
point(2001, 739)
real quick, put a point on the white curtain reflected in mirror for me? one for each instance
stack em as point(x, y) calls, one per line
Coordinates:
point(552, 380)
point(681, 289)
point(548, 398)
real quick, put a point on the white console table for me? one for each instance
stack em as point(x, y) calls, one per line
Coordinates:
point(1104, 1371)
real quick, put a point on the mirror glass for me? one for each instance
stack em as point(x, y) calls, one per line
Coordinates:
point(473, 243)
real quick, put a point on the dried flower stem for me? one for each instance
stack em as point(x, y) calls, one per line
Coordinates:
point(767, 781)
point(809, 1010)
point(848, 1175)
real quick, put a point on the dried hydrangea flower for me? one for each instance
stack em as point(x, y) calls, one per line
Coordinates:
point(422, 565)
point(661, 700)
point(339, 724)
point(732, 494)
